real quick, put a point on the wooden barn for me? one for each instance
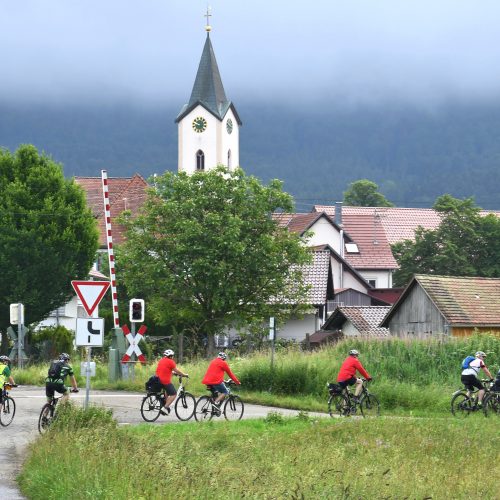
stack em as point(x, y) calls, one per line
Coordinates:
point(454, 306)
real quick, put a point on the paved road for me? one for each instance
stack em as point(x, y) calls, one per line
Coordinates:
point(125, 405)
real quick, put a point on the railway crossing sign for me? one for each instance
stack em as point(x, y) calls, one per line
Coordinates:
point(90, 293)
point(89, 332)
point(133, 348)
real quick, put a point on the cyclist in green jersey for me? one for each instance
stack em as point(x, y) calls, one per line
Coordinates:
point(5, 372)
point(58, 371)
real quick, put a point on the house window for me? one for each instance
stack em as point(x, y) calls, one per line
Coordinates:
point(372, 282)
point(200, 160)
point(229, 159)
point(351, 248)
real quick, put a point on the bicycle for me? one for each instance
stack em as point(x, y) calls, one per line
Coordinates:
point(491, 404)
point(206, 408)
point(464, 402)
point(153, 403)
point(341, 401)
point(7, 405)
point(48, 413)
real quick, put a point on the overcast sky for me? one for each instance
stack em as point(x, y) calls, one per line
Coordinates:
point(344, 51)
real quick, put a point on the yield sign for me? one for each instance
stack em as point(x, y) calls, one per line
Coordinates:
point(133, 341)
point(90, 293)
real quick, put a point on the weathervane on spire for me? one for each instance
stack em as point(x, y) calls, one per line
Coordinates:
point(208, 15)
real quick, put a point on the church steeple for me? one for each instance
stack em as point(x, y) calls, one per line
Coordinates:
point(208, 124)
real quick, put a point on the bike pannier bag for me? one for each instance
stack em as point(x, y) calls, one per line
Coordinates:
point(334, 388)
point(55, 370)
point(467, 361)
point(153, 384)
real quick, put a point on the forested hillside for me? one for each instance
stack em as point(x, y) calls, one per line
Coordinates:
point(413, 155)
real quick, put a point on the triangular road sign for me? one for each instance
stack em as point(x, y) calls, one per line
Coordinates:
point(90, 293)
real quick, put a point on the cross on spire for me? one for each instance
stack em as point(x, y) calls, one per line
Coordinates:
point(208, 15)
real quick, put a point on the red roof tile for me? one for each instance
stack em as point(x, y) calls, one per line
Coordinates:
point(399, 223)
point(125, 193)
point(369, 235)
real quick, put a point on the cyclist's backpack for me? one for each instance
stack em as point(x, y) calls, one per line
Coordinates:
point(55, 370)
point(466, 362)
point(153, 385)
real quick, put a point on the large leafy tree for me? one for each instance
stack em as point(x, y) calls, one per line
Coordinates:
point(364, 193)
point(207, 254)
point(466, 243)
point(47, 235)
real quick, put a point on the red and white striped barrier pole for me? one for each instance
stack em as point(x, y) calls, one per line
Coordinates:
point(109, 240)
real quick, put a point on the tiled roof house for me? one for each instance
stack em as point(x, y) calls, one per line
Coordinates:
point(455, 306)
point(358, 321)
point(399, 223)
point(125, 193)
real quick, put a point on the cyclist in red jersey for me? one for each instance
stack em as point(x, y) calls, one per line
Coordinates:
point(347, 373)
point(164, 371)
point(215, 376)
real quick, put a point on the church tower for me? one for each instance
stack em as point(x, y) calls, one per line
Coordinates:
point(208, 125)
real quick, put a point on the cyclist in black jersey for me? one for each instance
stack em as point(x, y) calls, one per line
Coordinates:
point(58, 371)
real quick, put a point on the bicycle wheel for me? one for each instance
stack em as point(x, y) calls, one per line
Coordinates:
point(234, 408)
point(150, 408)
point(46, 417)
point(491, 405)
point(184, 406)
point(461, 405)
point(203, 409)
point(7, 411)
point(370, 406)
point(338, 405)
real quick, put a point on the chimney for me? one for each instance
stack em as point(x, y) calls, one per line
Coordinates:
point(338, 213)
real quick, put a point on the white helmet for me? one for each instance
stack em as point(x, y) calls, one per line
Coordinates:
point(222, 355)
point(168, 353)
point(480, 353)
point(353, 352)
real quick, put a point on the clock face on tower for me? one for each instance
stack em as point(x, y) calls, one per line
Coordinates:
point(199, 124)
point(229, 125)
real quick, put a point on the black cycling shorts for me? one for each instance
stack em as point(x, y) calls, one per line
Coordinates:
point(349, 381)
point(471, 381)
point(51, 387)
point(170, 389)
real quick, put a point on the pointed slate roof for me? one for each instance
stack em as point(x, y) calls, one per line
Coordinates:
point(208, 90)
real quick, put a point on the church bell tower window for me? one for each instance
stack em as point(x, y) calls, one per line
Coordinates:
point(200, 160)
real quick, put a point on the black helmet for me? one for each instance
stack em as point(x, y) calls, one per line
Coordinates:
point(5, 359)
point(64, 356)
point(222, 355)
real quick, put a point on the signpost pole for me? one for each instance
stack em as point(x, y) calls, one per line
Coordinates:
point(87, 371)
point(132, 365)
point(272, 337)
point(19, 338)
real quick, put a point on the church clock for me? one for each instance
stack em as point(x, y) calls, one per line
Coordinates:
point(199, 124)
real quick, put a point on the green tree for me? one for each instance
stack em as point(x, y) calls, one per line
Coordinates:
point(466, 243)
point(364, 193)
point(47, 235)
point(207, 254)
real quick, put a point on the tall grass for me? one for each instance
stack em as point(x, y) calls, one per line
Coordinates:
point(270, 458)
point(410, 375)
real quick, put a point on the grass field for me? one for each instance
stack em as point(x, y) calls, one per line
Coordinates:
point(411, 377)
point(86, 455)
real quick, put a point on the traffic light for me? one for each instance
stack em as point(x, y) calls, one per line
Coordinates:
point(136, 310)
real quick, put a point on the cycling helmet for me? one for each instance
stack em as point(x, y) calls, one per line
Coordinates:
point(353, 352)
point(480, 353)
point(5, 359)
point(222, 355)
point(64, 357)
point(169, 353)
